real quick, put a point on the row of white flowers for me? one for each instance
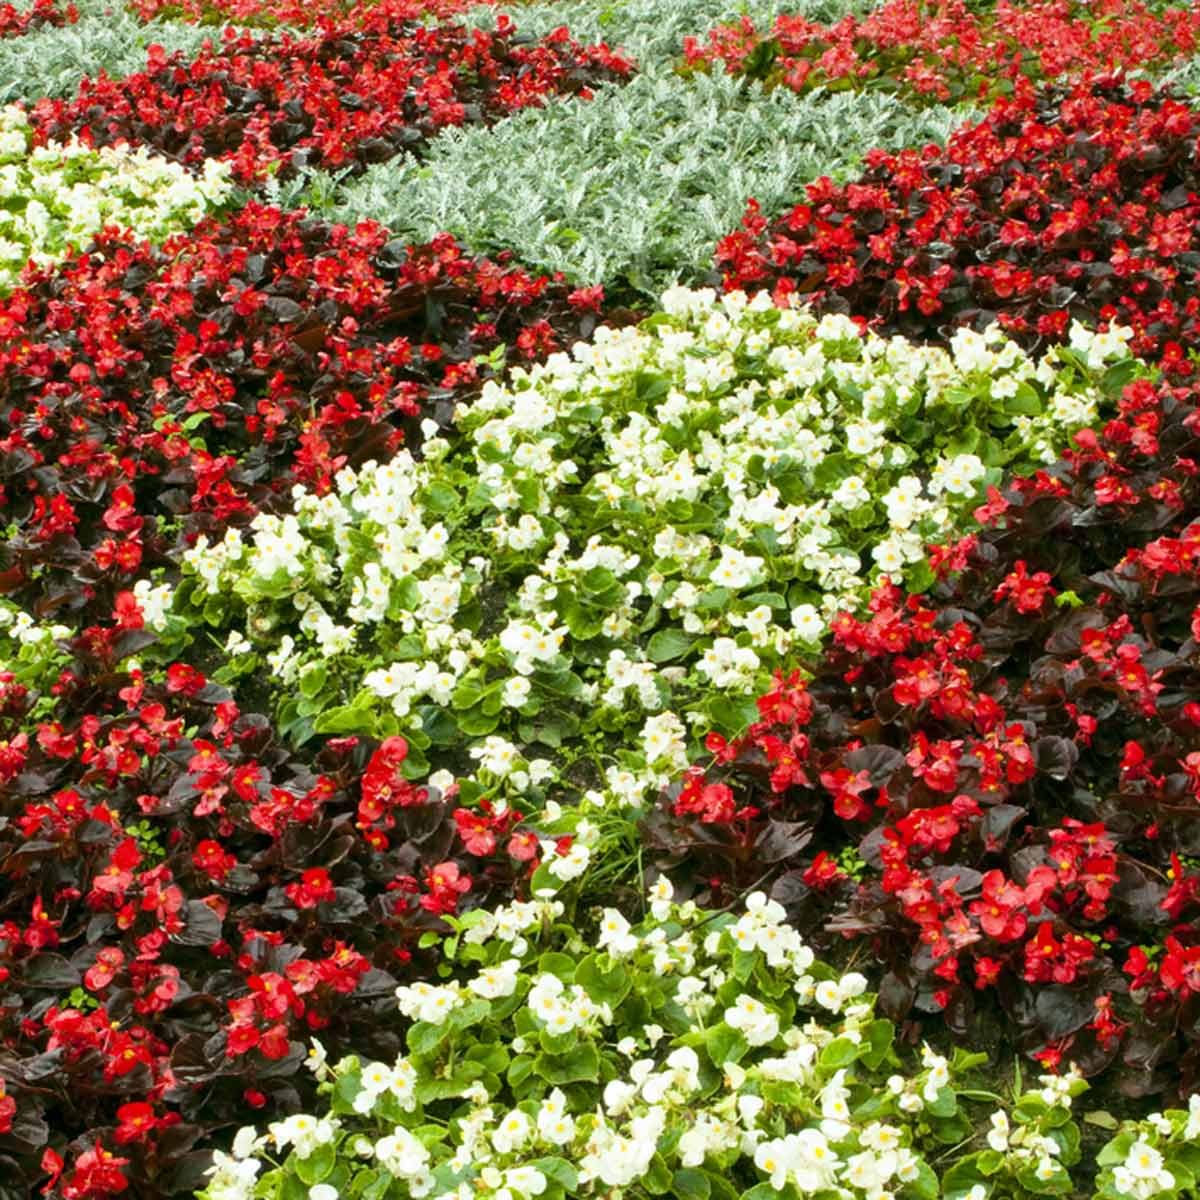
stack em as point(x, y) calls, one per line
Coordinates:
point(696, 1054)
point(60, 195)
point(631, 537)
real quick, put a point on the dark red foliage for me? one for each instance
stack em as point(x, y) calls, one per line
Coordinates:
point(14, 21)
point(202, 380)
point(184, 902)
point(948, 50)
point(357, 91)
point(1012, 758)
point(1054, 207)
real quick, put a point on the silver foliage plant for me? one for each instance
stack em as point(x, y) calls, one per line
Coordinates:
point(107, 37)
point(634, 188)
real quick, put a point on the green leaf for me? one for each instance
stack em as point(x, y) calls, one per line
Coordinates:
point(667, 645)
point(520, 1070)
point(724, 1045)
point(608, 986)
point(760, 1191)
point(657, 1180)
point(292, 1188)
point(958, 1181)
point(439, 498)
point(944, 1104)
point(1118, 376)
point(841, 1052)
point(688, 1183)
point(317, 1165)
point(1025, 403)
point(379, 1189)
point(989, 1161)
point(579, 1066)
point(344, 718)
point(313, 680)
point(491, 1055)
point(425, 1037)
point(558, 1169)
point(562, 966)
point(477, 723)
point(925, 1186)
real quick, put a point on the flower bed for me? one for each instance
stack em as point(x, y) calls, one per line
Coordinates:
point(948, 50)
point(623, 541)
point(363, 603)
point(358, 91)
point(1077, 205)
point(217, 371)
point(56, 197)
point(995, 786)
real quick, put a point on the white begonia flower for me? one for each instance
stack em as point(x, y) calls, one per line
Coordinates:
point(753, 1020)
point(303, 1133)
point(492, 983)
point(376, 1079)
point(513, 1131)
point(425, 1002)
point(245, 1142)
point(661, 894)
point(998, 1135)
point(231, 1178)
point(736, 570)
point(402, 1154)
point(568, 866)
point(496, 755)
point(615, 936)
point(554, 1124)
point(938, 1074)
point(517, 691)
point(526, 1180)
point(1191, 1130)
point(663, 740)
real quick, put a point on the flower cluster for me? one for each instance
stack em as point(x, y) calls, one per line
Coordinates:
point(1154, 1157)
point(949, 50)
point(535, 1073)
point(56, 197)
point(999, 781)
point(1058, 206)
point(355, 92)
point(14, 22)
point(148, 394)
point(641, 529)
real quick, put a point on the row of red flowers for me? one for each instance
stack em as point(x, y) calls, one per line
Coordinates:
point(296, 13)
point(358, 90)
point(1056, 206)
point(186, 901)
point(193, 384)
point(14, 22)
point(948, 50)
point(997, 785)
